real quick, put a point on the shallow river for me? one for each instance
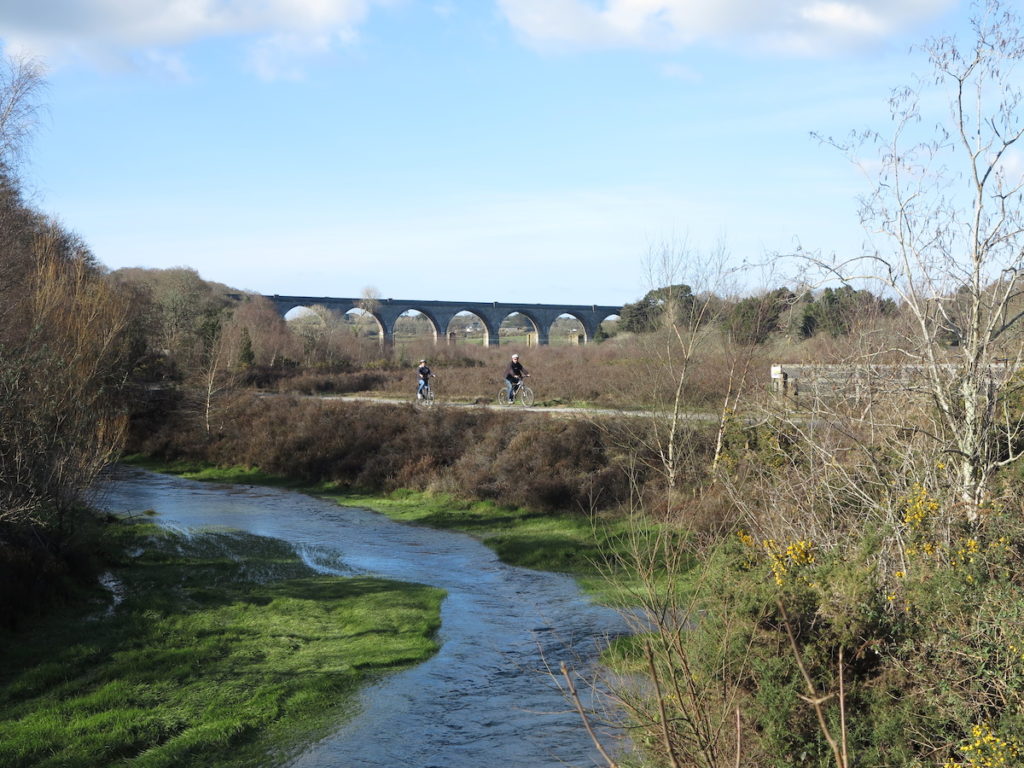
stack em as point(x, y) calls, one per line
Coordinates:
point(485, 698)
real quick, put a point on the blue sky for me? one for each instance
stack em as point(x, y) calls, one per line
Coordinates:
point(494, 150)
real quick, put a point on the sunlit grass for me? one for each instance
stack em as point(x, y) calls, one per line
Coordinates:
point(226, 651)
point(597, 551)
point(195, 470)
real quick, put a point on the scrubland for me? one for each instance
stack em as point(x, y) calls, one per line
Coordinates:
point(829, 582)
point(625, 372)
point(807, 588)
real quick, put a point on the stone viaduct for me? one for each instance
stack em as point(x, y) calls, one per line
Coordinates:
point(440, 313)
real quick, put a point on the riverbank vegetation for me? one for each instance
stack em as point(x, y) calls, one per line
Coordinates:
point(826, 581)
point(191, 659)
point(213, 649)
point(587, 546)
point(69, 340)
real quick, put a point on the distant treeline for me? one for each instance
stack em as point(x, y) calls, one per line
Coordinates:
point(754, 319)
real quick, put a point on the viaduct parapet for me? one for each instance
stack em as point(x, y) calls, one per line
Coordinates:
point(440, 313)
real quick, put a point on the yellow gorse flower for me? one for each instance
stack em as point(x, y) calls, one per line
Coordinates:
point(795, 556)
point(984, 749)
point(783, 561)
point(918, 506)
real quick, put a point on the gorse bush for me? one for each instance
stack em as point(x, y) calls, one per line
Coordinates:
point(806, 654)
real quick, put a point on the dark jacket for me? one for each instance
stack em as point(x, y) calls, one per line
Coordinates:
point(515, 370)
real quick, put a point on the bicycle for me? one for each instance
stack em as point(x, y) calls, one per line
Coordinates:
point(425, 398)
point(520, 393)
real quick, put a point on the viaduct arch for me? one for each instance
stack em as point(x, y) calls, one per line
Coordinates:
point(440, 313)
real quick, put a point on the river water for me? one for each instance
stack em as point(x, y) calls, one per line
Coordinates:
point(486, 698)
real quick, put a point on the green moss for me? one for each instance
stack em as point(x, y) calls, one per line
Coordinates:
point(225, 648)
point(194, 470)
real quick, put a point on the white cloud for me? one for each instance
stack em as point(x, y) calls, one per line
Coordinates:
point(801, 27)
point(280, 34)
point(169, 63)
point(283, 56)
point(846, 18)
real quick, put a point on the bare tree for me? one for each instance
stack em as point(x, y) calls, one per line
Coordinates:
point(270, 338)
point(369, 299)
point(21, 80)
point(370, 304)
point(61, 385)
point(687, 287)
point(947, 231)
point(326, 341)
point(924, 409)
point(684, 708)
point(215, 375)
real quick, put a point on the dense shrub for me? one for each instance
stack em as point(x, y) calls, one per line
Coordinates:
point(333, 384)
point(531, 460)
point(926, 655)
point(267, 376)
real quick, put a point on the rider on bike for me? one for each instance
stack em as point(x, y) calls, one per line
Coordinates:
point(514, 376)
point(425, 375)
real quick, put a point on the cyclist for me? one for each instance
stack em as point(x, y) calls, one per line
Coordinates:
point(514, 376)
point(425, 375)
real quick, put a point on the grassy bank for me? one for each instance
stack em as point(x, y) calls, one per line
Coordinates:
point(221, 649)
point(588, 548)
point(584, 548)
